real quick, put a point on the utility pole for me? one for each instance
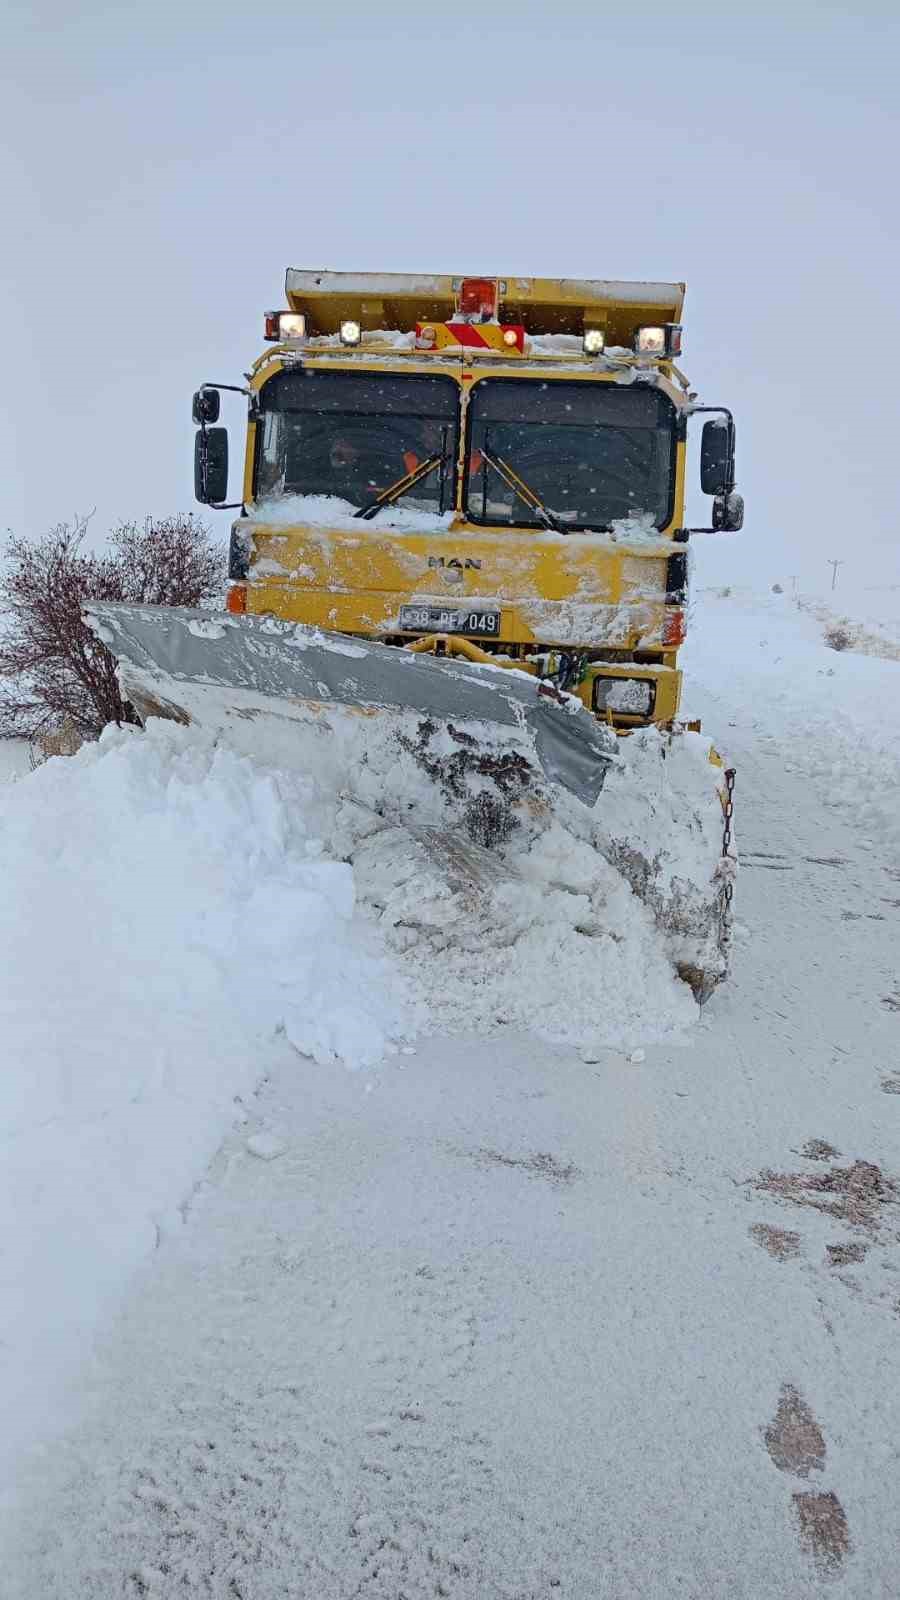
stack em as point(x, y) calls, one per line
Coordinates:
point(795, 579)
point(834, 566)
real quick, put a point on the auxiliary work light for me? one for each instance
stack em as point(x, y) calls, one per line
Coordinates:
point(593, 341)
point(664, 340)
point(351, 332)
point(285, 325)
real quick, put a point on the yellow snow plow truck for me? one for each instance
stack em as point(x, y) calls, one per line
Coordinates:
point(463, 503)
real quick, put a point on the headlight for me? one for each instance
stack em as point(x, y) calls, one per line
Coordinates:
point(631, 697)
point(593, 341)
point(351, 332)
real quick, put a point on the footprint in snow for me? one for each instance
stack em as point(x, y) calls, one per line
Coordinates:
point(796, 1444)
point(267, 1146)
point(794, 1440)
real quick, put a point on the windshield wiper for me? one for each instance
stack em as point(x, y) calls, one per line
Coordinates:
point(521, 488)
point(395, 490)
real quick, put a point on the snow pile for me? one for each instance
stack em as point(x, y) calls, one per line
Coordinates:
point(559, 945)
point(166, 911)
point(328, 510)
point(175, 910)
point(545, 932)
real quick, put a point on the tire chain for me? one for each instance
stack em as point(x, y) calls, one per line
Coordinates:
point(728, 885)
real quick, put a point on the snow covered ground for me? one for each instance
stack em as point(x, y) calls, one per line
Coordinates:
point(15, 759)
point(834, 714)
point(486, 1316)
point(870, 616)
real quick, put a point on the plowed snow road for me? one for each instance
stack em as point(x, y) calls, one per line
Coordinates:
point(492, 1321)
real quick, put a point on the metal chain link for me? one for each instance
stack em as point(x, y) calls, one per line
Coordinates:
point(728, 885)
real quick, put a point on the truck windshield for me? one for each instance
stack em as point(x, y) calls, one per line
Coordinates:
point(585, 455)
point(354, 434)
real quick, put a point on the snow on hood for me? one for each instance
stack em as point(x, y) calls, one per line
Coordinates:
point(636, 528)
point(327, 510)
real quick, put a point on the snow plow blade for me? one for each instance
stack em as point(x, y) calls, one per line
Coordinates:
point(169, 660)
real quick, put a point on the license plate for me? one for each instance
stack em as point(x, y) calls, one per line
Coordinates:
point(478, 621)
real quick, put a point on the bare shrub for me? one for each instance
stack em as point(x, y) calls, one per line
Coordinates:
point(487, 782)
point(53, 672)
point(777, 589)
point(838, 637)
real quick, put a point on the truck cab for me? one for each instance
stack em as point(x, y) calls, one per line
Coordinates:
point(492, 467)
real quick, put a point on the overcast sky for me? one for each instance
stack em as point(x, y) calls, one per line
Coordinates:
point(163, 164)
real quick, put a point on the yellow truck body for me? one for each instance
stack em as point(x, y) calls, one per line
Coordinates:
point(610, 598)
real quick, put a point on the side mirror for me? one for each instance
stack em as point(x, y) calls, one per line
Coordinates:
point(205, 406)
point(211, 464)
point(728, 512)
point(717, 456)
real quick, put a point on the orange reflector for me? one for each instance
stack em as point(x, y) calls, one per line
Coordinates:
point(236, 599)
point(674, 630)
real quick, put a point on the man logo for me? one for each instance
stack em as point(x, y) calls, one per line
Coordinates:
point(469, 564)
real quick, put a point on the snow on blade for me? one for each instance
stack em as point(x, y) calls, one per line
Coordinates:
point(161, 670)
